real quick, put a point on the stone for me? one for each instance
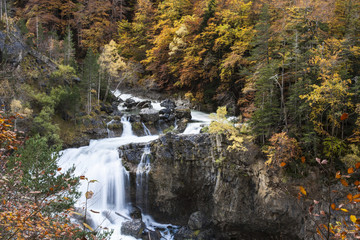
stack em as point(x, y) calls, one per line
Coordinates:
point(134, 118)
point(133, 228)
point(153, 235)
point(167, 103)
point(197, 221)
point(182, 112)
point(130, 103)
point(144, 104)
point(184, 233)
point(165, 111)
point(149, 115)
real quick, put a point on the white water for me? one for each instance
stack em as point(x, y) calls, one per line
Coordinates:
point(124, 96)
point(110, 132)
point(199, 119)
point(146, 130)
point(142, 175)
point(100, 161)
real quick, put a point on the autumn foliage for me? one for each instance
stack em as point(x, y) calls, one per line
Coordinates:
point(22, 214)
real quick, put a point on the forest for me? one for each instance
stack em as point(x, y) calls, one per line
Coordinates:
point(289, 69)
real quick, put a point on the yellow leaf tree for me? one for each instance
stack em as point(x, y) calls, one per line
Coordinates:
point(111, 64)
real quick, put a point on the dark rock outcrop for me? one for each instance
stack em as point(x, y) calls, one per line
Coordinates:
point(149, 115)
point(182, 112)
point(191, 173)
point(168, 104)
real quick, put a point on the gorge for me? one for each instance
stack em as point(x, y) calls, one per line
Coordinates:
point(171, 177)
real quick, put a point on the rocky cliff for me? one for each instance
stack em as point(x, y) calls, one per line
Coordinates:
point(232, 191)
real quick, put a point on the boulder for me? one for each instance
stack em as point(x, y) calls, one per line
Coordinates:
point(166, 111)
point(182, 112)
point(167, 103)
point(149, 115)
point(130, 103)
point(133, 228)
point(134, 118)
point(144, 104)
point(197, 221)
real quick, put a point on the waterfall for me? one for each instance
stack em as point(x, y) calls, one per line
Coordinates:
point(100, 161)
point(142, 177)
point(127, 129)
point(146, 130)
point(110, 132)
point(197, 121)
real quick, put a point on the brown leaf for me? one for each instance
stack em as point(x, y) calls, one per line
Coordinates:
point(333, 206)
point(303, 159)
point(350, 170)
point(344, 182)
point(350, 197)
point(89, 194)
point(338, 175)
point(282, 164)
point(356, 183)
point(356, 196)
point(357, 165)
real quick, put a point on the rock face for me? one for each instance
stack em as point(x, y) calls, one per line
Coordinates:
point(195, 176)
point(133, 228)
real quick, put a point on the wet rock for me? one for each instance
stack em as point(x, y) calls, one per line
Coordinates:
point(182, 112)
point(166, 111)
point(134, 118)
point(135, 213)
point(130, 103)
point(144, 104)
point(167, 103)
point(149, 115)
point(133, 228)
point(184, 233)
point(115, 127)
point(182, 124)
point(197, 221)
point(153, 235)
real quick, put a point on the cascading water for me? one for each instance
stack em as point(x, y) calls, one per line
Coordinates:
point(127, 129)
point(146, 130)
point(100, 161)
point(198, 119)
point(142, 177)
point(110, 132)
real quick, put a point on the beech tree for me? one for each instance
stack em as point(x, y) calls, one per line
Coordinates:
point(111, 63)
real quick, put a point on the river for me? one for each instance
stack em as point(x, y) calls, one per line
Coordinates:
point(100, 161)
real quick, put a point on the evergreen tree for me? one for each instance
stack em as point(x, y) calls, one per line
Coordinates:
point(90, 77)
point(43, 176)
